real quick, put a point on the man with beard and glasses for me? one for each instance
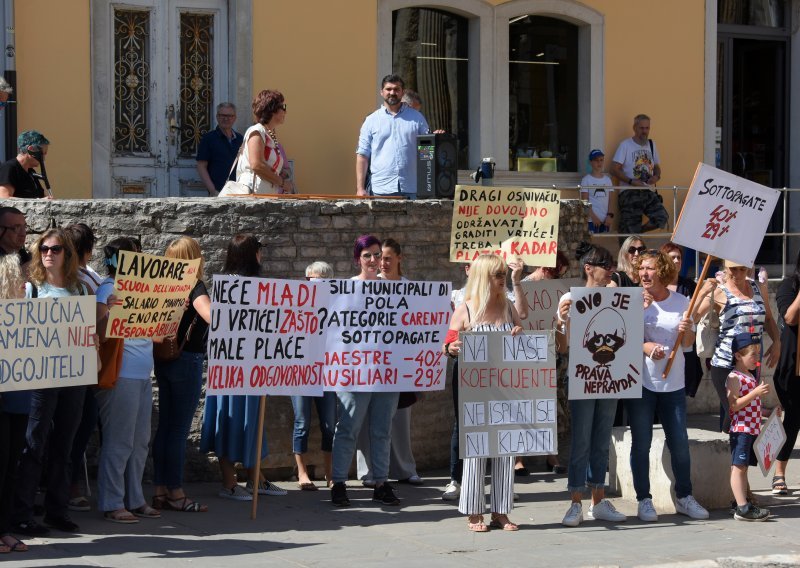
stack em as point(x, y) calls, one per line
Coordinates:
point(387, 145)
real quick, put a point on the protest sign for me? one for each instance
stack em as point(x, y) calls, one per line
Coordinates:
point(506, 394)
point(152, 293)
point(769, 443)
point(47, 343)
point(509, 221)
point(542, 297)
point(725, 215)
point(385, 335)
point(606, 333)
point(265, 336)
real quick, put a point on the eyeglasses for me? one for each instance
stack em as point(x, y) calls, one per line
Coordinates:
point(226, 116)
point(55, 249)
point(500, 275)
point(16, 228)
point(368, 255)
point(636, 250)
point(282, 107)
point(603, 265)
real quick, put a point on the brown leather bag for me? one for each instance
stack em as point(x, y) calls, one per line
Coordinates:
point(110, 363)
point(169, 349)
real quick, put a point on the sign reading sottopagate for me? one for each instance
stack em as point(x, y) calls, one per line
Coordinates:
point(47, 343)
point(385, 335)
point(506, 394)
point(152, 292)
point(509, 221)
point(606, 333)
point(265, 336)
point(725, 215)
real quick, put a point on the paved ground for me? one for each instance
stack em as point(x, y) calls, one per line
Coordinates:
point(303, 529)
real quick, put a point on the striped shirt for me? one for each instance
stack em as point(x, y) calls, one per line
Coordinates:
point(739, 315)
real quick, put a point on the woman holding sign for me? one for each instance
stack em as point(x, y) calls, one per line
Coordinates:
point(179, 385)
point(664, 318)
point(592, 419)
point(125, 413)
point(56, 412)
point(485, 308)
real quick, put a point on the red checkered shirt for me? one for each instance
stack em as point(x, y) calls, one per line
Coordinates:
point(747, 419)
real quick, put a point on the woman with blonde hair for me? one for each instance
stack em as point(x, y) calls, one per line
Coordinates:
point(626, 274)
point(485, 308)
point(55, 413)
point(179, 384)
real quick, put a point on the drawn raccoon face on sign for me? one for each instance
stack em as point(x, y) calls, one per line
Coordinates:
point(605, 335)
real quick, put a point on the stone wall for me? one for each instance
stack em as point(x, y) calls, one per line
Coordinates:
point(295, 232)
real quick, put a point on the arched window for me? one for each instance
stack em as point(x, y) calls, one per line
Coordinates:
point(543, 94)
point(430, 51)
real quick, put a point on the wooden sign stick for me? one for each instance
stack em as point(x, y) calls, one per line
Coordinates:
point(690, 309)
point(256, 483)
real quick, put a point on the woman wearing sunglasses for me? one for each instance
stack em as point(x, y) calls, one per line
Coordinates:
point(262, 164)
point(626, 275)
point(592, 419)
point(55, 413)
point(485, 308)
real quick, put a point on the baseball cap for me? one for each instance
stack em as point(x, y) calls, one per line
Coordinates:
point(742, 340)
point(31, 138)
point(596, 153)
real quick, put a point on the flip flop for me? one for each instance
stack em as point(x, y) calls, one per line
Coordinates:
point(122, 516)
point(308, 486)
point(146, 512)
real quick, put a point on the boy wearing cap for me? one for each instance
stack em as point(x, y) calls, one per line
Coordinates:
point(16, 175)
point(744, 400)
point(597, 188)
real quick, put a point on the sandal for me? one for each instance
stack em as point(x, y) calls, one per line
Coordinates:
point(122, 516)
point(184, 505)
point(779, 485)
point(146, 512)
point(15, 546)
point(307, 486)
point(475, 524)
point(502, 522)
point(160, 501)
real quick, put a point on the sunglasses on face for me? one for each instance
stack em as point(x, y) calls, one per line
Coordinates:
point(282, 106)
point(55, 249)
point(636, 250)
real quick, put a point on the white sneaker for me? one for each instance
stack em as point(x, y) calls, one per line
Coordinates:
point(647, 512)
point(691, 508)
point(574, 516)
point(605, 511)
point(267, 488)
point(452, 491)
point(237, 493)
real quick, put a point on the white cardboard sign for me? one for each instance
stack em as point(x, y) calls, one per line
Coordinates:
point(769, 443)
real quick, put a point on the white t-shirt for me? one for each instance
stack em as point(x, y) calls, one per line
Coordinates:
point(598, 190)
point(661, 321)
point(637, 160)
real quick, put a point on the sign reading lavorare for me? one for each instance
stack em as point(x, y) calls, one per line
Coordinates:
point(510, 222)
point(385, 335)
point(47, 343)
point(506, 394)
point(152, 293)
point(265, 336)
point(605, 343)
point(725, 215)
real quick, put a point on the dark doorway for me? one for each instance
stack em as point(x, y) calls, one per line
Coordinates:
point(752, 113)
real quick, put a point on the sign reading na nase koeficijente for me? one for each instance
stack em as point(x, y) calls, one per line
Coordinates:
point(506, 394)
point(47, 343)
point(606, 333)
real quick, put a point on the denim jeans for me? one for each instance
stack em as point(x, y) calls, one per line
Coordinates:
point(671, 407)
point(179, 385)
point(125, 413)
point(353, 408)
point(326, 412)
point(53, 421)
point(590, 437)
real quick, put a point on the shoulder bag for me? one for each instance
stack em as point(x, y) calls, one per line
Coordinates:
point(234, 187)
point(169, 349)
